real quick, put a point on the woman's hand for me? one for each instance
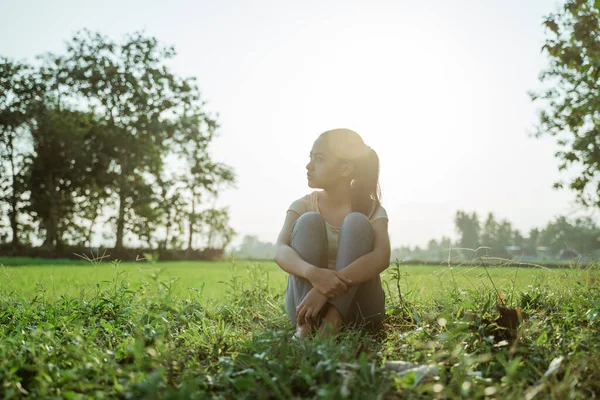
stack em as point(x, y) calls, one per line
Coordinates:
point(310, 306)
point(328, 282)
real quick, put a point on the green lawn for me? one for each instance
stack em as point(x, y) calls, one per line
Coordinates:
point(72, 278)
point(124, 338)
point(186, 277)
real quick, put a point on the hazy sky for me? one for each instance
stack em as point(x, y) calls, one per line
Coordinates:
point(437, 88)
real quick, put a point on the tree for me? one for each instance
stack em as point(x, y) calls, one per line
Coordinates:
point(434, 250)
point(446, 247)
point(172, 211)
point(497, 235)
point(572, 112)
point(467, 226)
point(3, 207)
point(582, 234)
point(68, 171)
point(401, 253)
point(218, 233)
point(433, 245)
point(19, 92)
point(505, 238)
point(518, 239)
point(131, 90)
point(203, 177)
point(490, 233)
point(531, 243)
point(251, 247)
point(143, 214)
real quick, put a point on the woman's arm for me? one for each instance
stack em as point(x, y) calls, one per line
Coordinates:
point(328, 282)
point(371, 264)
point(361, 270)
point(286, 257)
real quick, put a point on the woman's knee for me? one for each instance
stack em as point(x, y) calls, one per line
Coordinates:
point(356, 221)
point(355, 218)
point(310, 221)
point(309, 237)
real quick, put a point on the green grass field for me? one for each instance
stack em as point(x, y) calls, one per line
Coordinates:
point(72, 277)
point(72, 280)
point(196, 330)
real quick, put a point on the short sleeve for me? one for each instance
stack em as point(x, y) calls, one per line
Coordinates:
point(299, 206)
point(378, 214)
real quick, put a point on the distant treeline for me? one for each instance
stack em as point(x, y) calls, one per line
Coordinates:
point(560, 239)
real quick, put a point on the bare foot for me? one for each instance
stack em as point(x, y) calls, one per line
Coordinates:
point(331, 324)
point(302, 331)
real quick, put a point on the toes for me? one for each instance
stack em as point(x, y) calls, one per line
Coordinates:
point(302, 332)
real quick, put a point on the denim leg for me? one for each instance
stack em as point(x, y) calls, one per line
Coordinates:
point(309, 239)
point(364, 303)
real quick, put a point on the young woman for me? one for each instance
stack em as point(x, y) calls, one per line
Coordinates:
point(334, 242)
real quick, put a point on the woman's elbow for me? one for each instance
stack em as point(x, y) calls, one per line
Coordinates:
point(277, 257)
point(278, 254)
point(385, 260)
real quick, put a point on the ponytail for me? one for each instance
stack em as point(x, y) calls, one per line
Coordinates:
point(348, 146)
point(365, 189)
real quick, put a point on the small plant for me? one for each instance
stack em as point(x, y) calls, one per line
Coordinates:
point(396, 274)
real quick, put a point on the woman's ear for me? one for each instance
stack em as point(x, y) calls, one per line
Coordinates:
point(347, 169)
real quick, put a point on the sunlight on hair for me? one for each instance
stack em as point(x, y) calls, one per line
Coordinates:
point(346, 144)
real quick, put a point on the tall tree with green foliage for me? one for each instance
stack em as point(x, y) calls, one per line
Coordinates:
point(490, 233)
point(497, 235)
point(90, 131)
point(581, 234)
point(252, 247)
point(467, 226)
point(19, 93)
point(171, 206)
point(68, 171)
point(506, 237)
point(217, 231)
point(203, 177)
point(130, 88)
point(532, 242)
point(572, 101)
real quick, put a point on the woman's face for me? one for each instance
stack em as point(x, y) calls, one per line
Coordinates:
point(324, 169)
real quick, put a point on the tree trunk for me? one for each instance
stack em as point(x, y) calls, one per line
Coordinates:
point(51, 234)
point(210, 237)
point(13, 222)
point(51, 220)
point(122, 199)
point(14, 197)
point(168, 232)
point(120, 220)
point(88, 238)
point(192, 220)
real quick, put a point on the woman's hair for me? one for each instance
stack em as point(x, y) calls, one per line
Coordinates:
point(348, 146)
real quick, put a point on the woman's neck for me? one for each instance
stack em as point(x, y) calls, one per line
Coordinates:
point(337, 196)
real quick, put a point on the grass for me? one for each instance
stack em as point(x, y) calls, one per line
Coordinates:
point(132, 334)
point(28, 275)
point(18, 261)
point(186, 278)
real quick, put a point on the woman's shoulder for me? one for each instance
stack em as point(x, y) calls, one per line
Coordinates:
point(305, 203)
point(377, 212)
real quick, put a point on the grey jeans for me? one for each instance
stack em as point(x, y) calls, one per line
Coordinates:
point(362, 304)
